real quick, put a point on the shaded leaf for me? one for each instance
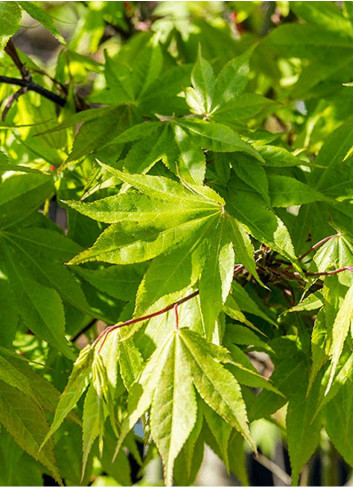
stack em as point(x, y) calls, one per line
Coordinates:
point(74, 389)
point(27, 424)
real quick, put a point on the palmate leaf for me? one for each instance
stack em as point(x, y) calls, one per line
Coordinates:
point(209, 94)
point(232, 80)
point(97, 369)
point(221, 99)
point(130, 242)
point(32, 260)
point(335, 253)
point(183, 359)
point(202, 77)
point(186, 225)
point(41, 307)
point(178, 144)
point(31, 263)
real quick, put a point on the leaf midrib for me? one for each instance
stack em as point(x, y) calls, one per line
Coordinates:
point(150, 238)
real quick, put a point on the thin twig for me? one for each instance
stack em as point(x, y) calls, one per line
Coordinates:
point(60, 86)
point(331, 272)
point(31, 85)
point(317, 245)
point(176, 316)
point(109, 329)
point(83, 330)
point(314, 247)
point(274, 468)
point(11, 99)
point(269, 8)
point(11, 50)
point(25, 82)
point(238, 267)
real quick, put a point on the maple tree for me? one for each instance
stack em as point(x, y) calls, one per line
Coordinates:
point(201, 283)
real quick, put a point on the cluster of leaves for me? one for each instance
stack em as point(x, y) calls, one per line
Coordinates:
point(207, 181)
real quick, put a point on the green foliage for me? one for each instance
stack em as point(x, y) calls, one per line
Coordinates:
point(190, 185)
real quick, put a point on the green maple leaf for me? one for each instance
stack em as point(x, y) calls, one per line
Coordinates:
point(184, 227)
point(182, 361)
point(33, 262)
point(222, 99)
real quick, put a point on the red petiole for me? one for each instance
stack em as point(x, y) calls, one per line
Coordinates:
point(145, 318)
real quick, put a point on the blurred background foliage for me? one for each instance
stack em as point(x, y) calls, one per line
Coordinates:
point(307, 85)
